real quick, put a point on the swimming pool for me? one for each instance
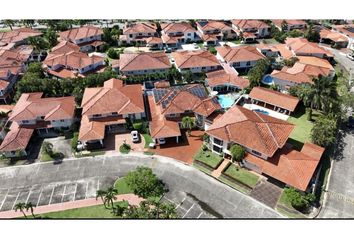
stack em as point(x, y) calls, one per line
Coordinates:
point(226, 101)
point(268, 80)
point(262, 111)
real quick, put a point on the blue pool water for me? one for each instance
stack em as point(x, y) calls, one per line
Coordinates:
point(226, 101)
point(268, 80)
point(262, 111)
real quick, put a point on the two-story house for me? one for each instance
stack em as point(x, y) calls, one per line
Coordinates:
point(333, 38)
point(168, 106)
point(183, 32)
point(198, 61)
point(348, 31)
point(88, 38)
point(214, 31)
point(251, 29)
point(302, 47)
point(265, 140)
point(138, 32)
point(66, 61)
point(242, 58)
point(288, 25)
point(105, 110)
point(17, 37)
point(144, 63)
point(32, 112)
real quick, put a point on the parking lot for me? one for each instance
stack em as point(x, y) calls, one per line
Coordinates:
point(47, 194)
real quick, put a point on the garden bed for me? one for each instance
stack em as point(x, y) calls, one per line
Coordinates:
point(240, 176)
point(208, 159)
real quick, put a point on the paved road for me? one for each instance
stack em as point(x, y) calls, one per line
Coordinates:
point(342, 59)
point(197, 194)
point(340, 196)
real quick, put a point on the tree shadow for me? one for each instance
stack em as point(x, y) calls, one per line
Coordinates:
point(338, 148)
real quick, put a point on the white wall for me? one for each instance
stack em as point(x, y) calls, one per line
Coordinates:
point(64, 123)
point(198, 69)
point(149, 71)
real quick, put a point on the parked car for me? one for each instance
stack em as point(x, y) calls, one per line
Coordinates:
point(135, 136)
point(168, 50)
point(162, 141)
point(350, 56)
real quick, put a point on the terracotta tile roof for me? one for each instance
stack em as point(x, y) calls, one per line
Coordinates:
point(213, 25)
point(153, 40)
point(290, 166)
point(144, 61)
point(210, 37)
point(79, 33)
point(64, 47)
point(346, 29)
point(32, 105)
point(302, 45)
point(249, 23)
point(280, 48)
point(140, 28)
point(193, 59)
point(292, 77)
point(182, 27)
point(222, 77)
point(332, 35)
point(162, 84)
point(169, 39)
point(16, 139)
point(6, 108)
point(113, 97)
point(239, 54)
point(253, 130)
point(275, 98)
point(18, 35)
point(290, 22)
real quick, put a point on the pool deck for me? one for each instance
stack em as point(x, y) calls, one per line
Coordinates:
point(271, 112)
point(228, 100)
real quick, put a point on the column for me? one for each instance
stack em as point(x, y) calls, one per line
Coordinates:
point(101, 142)
point(177, 139)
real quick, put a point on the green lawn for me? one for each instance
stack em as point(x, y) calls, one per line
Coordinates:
point(122, 186)
point(293, 213)
point(238, 41)
point(209, 158)
point(45, 157)
point(98, 211)
point(148, 140)
point(234, 185)
point(242, 175)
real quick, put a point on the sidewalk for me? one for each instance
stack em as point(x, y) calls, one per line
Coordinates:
point(217, 172)
point(131, 198)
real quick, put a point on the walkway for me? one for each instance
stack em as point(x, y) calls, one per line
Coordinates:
point(131, 198)
point(217, 172)
point(267, 193)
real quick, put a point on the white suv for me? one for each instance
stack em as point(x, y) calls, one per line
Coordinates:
point(135, 136)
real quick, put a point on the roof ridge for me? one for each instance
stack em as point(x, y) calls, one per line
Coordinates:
point(266, 124)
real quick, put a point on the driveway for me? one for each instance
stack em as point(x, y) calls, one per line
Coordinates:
point(339, 201)
point(60, 144)
point(46, 183)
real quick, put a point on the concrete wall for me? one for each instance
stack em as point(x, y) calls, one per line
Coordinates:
point(141, 72)
point(62, 123)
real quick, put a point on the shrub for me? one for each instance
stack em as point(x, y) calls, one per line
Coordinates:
point(237, 152)
point(206, 137)
point(204, 147)
point(138, 125)
point(212, 50)
point(125, 148)
point(48, 148)
point(74, 141)
point(145, 183)
point(112, 53)
point(299, 201)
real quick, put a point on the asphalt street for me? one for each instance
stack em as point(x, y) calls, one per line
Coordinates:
point(195, 194)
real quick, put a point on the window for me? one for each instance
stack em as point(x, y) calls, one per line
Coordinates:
point(256, 153)
point(248, 63)
point(42, 117)
point(217, 149)
point(62, 120)
point(114, 113)
point(218, 142)
point(237, 64)
point(97, 115)
point(25, 121)
point(140, 34)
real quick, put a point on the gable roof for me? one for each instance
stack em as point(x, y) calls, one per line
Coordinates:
point(143, 61)
point(290, 166)
point(242, 23)
point(64, 47)
point(332, 35)
point(18, 35)
point(177, 27)
point(213, 25)
point(290, 22)
point(16, 139)
point(252, 130)
point(275, 98)
point(79, 33)
point(192, 59)
point(302, 45)
point(239, 54)
point(140, 28)
point(222, 77)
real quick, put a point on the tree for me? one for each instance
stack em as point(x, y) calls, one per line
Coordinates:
point(51, 37)
point(299, 201)
point(21, 206)
point(151, 209)
point(145, 183)
point(10, 23)
point(257, 72)
point(188, 76)
point(189, 123)
point(324, 131)
point(28, 22)
point(237, 152)
point(110, 196)
point(29, 206)
point(38, 43)
point(312, 35)
point(291, 61)
point(284, 26)
point(101, 194)
point(48, 148)
point(112, 53)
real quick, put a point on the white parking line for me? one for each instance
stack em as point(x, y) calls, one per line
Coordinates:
point(200, 215)
point(3, 201)
point(63, 194)
point(98, 184)
point(181, 202)
point(39, 198)
point(188, 210)
point(16, 200)
point(51, 195)
point(86, 190)
point(75, 192)
point(39, 166)
point(29, 193)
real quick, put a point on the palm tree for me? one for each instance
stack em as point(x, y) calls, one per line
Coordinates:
point(101, 194)
point(188, 122)
point(21, 206)
point(29, 206)
point(111, 195)
point(9, 23)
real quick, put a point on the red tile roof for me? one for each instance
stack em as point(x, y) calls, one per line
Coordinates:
point(253, 130)
point(140, 28)
point(31, 106)
point(213, 25)
point(16, 139)
point(239, 54)
point(182, 27)
point(249, 24)
point(18, 35)
point(302, 45)
point(274, 98)
point(194, 59)
point(221, 77)
point(332, 35)
point(290, 22)
point(79, 33)
point(345, 29)
point(144, 61)
point(290, 166)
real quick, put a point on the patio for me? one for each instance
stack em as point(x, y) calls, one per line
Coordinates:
point(114, 141)
point(266, 111)
point(185, 150)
